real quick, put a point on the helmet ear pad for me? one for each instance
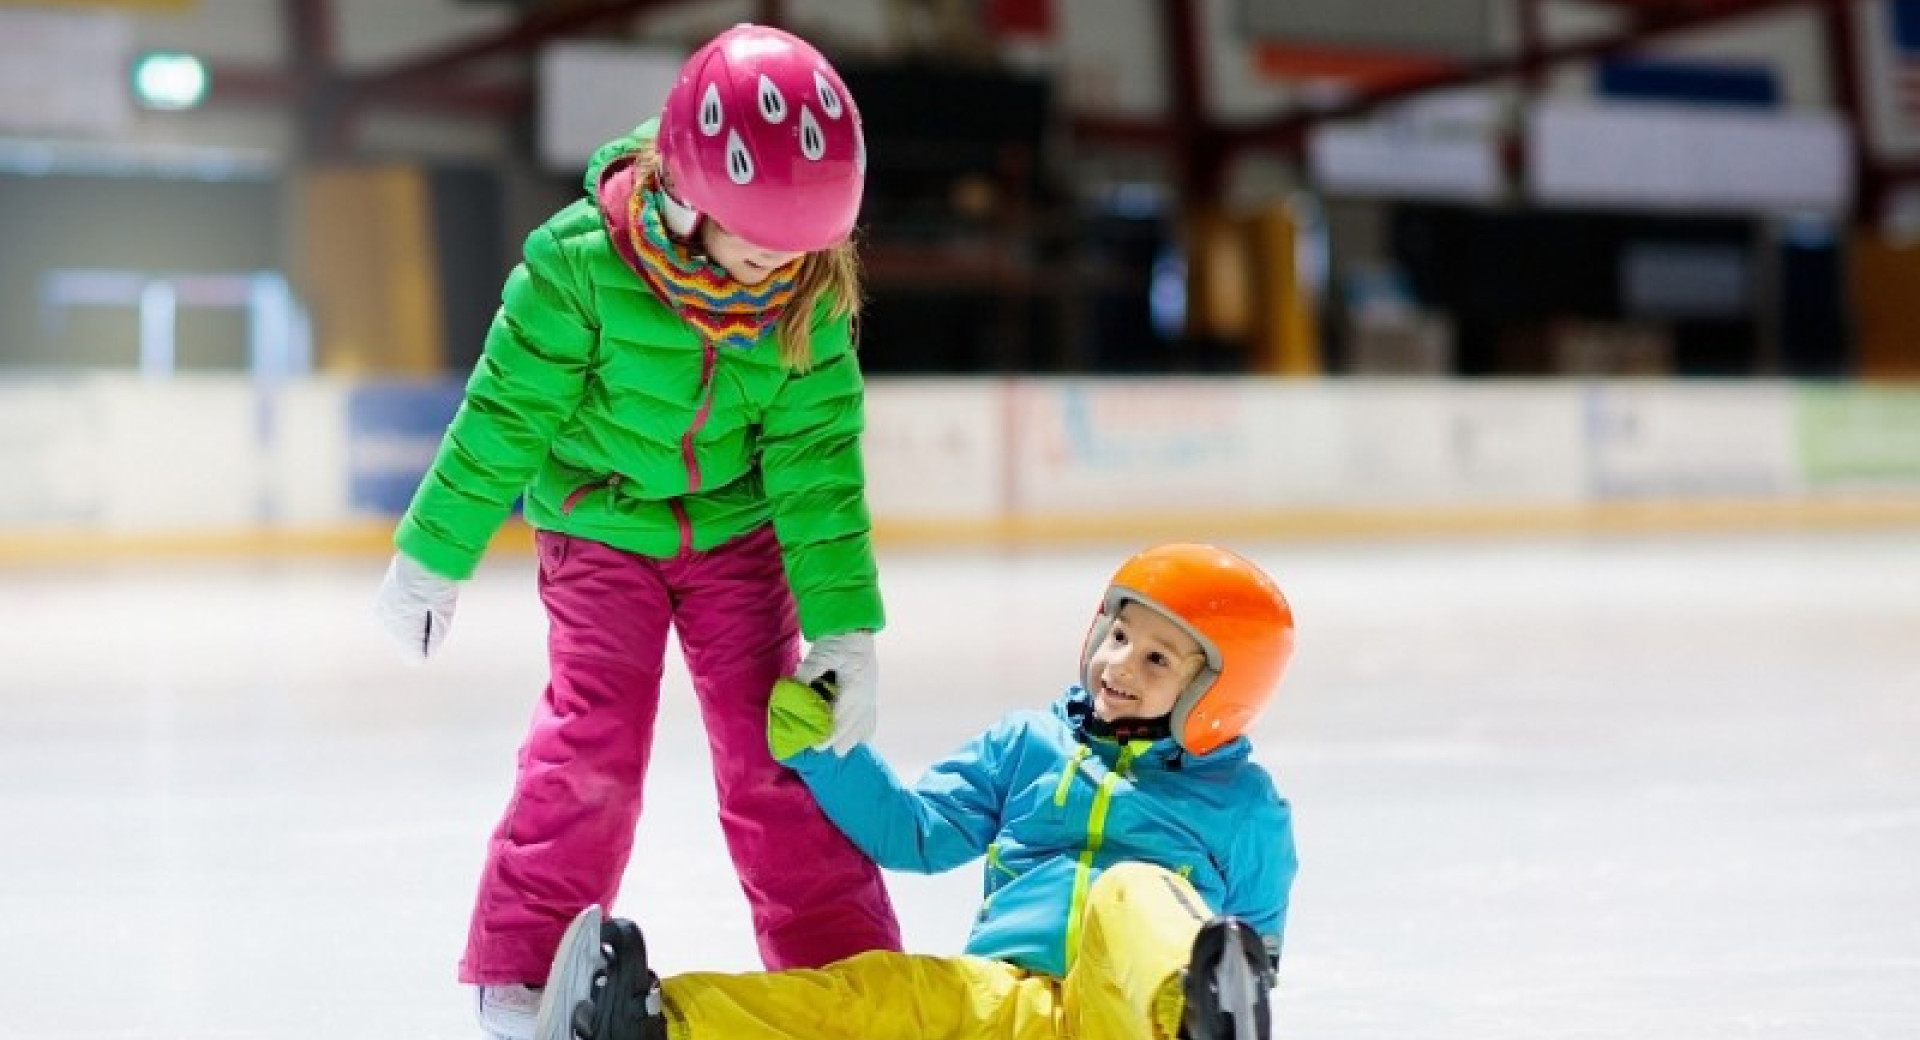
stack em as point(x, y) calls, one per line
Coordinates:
point(681, 219)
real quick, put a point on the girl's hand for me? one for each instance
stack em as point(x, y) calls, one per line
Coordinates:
point(856, 708)
point(415, 606)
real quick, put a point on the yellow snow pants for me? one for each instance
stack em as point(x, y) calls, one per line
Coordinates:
point(1123, 983)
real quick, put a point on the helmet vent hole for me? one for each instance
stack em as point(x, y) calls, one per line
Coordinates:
point(829, 98)
point(773, 107)
point(712, 115)
point(739, 160)
point(813, 143)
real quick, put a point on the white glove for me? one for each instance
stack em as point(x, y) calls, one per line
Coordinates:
point(849, 660)
point(415, 606)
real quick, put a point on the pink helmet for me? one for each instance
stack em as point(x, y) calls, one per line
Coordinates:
point(760, 134)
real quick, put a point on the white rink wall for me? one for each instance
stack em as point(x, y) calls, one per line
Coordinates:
point(211, 462)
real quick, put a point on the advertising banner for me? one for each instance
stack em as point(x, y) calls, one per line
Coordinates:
point(1422, 443)
point(1161, 445)
point(1666, 441)
point(935, 450)
point(1860, 437)
point(393, 431)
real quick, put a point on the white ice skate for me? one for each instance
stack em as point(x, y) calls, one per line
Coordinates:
point(1226, 984)
point(580, 961)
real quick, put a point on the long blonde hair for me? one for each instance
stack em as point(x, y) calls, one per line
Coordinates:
point(830, 276)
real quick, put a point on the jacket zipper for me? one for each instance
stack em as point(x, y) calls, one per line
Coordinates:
point(1066, 775)
point(682, 522)
point(688, 458)
point(1096, 835)
point(700, 415)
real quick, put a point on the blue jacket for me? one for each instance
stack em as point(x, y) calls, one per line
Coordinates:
point(1050, 806)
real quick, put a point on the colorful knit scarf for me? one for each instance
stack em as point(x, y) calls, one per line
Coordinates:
point(724, 312)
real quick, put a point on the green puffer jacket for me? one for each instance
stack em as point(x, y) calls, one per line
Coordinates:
point(619, 424)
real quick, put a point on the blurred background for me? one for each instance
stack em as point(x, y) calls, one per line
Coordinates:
point(1313, 265)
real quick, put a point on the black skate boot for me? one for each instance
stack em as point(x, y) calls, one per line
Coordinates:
point(1226, 984)
point(624, 1002)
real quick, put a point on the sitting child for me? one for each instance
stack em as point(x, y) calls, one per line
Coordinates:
point(1138, 860)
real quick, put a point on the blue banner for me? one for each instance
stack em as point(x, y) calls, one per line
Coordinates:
point(1905, 15)
point(393, 432)
point(1754, 86)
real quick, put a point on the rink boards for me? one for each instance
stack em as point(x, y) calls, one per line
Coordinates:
point(100, 463)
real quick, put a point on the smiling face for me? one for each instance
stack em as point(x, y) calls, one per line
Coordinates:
point(1142, 665)
point(745, 262)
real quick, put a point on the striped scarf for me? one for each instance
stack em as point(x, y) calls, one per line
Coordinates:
point(724, 312)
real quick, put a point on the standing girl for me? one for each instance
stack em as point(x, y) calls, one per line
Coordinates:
point(671, 384)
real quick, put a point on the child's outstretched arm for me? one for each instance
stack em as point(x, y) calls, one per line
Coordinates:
point(528, 381)
point(816, 488)
point(947, 819)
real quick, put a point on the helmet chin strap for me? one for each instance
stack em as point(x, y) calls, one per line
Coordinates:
point(1124, 730)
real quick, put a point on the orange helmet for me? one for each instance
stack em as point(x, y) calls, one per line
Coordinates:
point(1232, 609)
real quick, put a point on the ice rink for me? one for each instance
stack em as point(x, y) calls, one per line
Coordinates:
point(1616, 787)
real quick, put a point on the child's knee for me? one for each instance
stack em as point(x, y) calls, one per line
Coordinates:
point(1132, 875)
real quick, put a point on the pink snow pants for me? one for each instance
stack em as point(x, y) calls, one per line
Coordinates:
point(569, 828)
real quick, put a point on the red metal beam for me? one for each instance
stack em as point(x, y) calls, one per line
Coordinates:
point(309, 33)
point(1201, 155)
point(1289, 131)
point(452, 98)
point(247, 85)
point(1533, 37)
point(1186, 65)
point(308, 28)
point(1840, 29)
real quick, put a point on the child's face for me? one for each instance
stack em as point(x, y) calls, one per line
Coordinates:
point(1139, 669)
point(745, 262)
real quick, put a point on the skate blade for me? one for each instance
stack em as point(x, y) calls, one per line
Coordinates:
point(1227, 990)
point(570, 980)
point(1236, 981)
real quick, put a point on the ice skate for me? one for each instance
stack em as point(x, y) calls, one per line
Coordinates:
point(1226, 984)
point(506, 1010)
point(620, 997)
point(570, 980)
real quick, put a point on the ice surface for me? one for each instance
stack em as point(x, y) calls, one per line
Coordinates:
point(1613, 787)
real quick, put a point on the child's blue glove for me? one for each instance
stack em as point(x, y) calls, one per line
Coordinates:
point(798, 717)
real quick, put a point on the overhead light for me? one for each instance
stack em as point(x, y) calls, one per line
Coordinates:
point(169, 81)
